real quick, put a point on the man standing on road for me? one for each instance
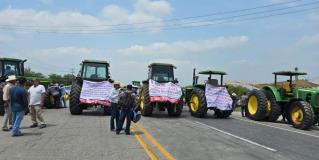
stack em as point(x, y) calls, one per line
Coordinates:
point(18, 104)
point(243, 105)
point(126, 102)
point(37, 94)
point(6, 99)
point(114, 97)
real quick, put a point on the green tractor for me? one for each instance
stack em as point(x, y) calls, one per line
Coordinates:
point(161, 73)
point(9, 66)
point(196, 99)
point(91, 70)
point(299, 105)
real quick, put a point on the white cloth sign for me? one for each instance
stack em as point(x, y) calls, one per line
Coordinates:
point(96, 92)
point(163, 92)
point(218, 97)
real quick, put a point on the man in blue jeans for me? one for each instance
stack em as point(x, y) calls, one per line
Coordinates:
point(126, 102)
point(114, 97)
point(18, 103)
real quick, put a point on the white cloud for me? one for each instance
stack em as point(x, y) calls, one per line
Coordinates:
point(314, 17)
point(143, 11)
point(179, 47)
point(309, 40)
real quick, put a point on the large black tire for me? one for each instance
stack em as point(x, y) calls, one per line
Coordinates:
point(1, 99)
point(47, 101)
point(175, 111)
point(75, 106)
point(256, 105)
point(145, 104)
point(201, 105)
point(273, 109)
point(223, 114)
point(301, 115)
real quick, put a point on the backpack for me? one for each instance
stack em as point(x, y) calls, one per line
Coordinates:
point(126, 100)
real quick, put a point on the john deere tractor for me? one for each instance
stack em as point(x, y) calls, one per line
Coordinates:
point(91, 70)
point(9, 66)
point(196, 99)
point(161, 73)
point(299, 105)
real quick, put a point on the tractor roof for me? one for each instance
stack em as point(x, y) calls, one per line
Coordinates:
point(95, 61)
point(210, 72)
point(289, 73)
point(161, 64)
point(11, 59)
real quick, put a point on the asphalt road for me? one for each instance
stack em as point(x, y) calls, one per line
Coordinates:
point(87, 136)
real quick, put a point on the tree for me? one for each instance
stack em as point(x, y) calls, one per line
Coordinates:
point(29, 73)
point(239, 90)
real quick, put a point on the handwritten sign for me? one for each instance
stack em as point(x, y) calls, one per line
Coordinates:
point(96, 93)
point(218, 97)
point(164, 92)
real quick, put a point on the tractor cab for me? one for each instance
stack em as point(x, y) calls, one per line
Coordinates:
point(161, 72)
point(209, 80)
point(287, 87)
point(11, 66)
point(94, 70)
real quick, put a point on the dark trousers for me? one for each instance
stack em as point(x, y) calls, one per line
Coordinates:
point(125, 113)
point(115, 115)
point(243, 110)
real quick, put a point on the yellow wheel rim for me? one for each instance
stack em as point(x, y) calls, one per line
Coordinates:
point(252, 105)
point(268, 105)
point(142, 101)
point(194, 103)
point(296, 115)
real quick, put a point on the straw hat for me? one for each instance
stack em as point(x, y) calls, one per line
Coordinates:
point(11, 78)
point(117, 83)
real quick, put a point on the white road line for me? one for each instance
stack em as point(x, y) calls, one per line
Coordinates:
point(232, 135)
point(251, 121)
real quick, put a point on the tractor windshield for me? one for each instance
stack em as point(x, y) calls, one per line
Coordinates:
point(11, 68)
point(95, 71)
point(162, 73)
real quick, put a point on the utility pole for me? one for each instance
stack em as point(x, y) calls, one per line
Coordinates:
point(296, 70)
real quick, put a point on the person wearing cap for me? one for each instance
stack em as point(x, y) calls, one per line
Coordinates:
point(18, 104)
point(6, 99)
point(114, 98)
point(36, 95)
point(126, 102)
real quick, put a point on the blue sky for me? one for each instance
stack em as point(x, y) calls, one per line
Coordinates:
point(246, 50)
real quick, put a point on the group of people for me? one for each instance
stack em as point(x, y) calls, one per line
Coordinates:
point(57, 92)
point(18, 102)
point(122, 105)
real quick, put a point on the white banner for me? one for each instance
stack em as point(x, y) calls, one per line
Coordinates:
point(218, 97)
point(163, 92)
point(96, 92)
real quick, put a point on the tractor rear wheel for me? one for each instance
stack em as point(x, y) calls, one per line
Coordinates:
point(257, 105)
point(47, 101)
point(223, 114)
point(197, 103)
point(1, 99)
point(145, 105)
point(75, 106)
point(175, 110)
point(301, 115)
point(273, 109)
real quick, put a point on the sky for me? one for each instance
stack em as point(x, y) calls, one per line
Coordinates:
point(56, 35)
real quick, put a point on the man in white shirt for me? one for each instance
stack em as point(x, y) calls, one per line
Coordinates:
point(37, 94)
point(114, 97)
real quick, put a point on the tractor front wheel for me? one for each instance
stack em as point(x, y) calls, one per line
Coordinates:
point(301, 115)
point(257, 105)
point(175, 110)
point(75, 106)
point(145, 105)
point(223, 114)
point(197, 103)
